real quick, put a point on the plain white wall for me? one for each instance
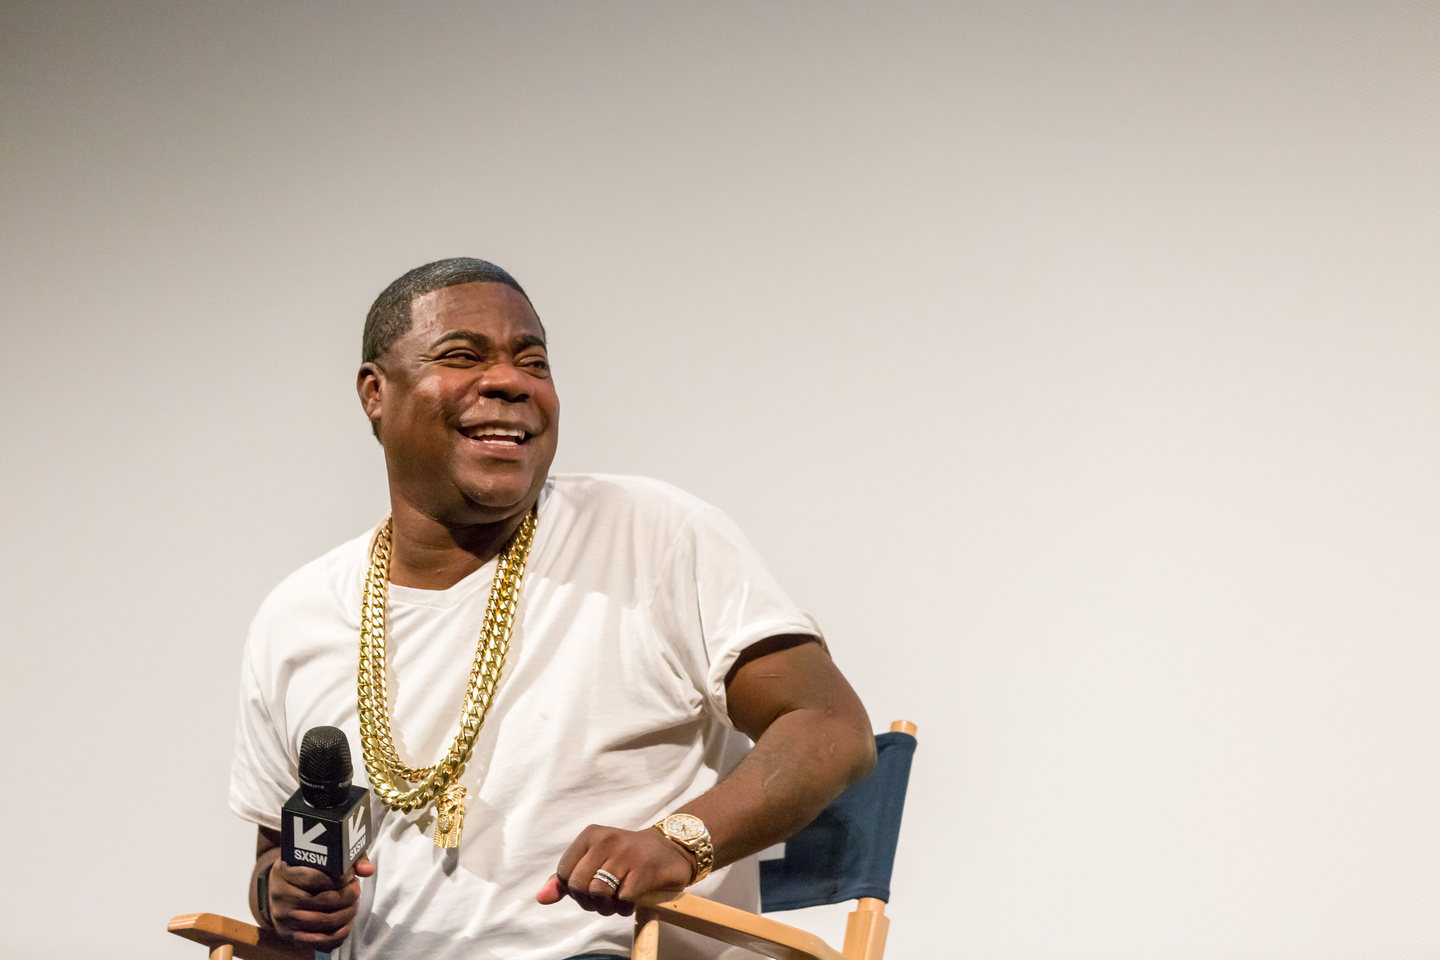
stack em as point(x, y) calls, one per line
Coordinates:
point(1074, 363)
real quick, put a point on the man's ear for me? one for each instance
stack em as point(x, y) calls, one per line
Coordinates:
point(370, 385)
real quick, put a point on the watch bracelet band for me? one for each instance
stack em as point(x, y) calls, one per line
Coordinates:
point(262, 896)
point(704, 859)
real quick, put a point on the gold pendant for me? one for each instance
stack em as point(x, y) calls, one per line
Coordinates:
point(450, 806)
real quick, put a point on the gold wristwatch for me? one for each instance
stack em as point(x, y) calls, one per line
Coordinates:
point(689, 832)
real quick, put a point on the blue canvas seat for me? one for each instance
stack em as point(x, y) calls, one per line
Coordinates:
point(848, 852)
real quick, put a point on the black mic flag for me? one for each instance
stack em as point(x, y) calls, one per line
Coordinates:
point(326, 823)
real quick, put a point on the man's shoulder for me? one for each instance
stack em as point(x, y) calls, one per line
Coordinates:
point(629, 494)
point(323, 583)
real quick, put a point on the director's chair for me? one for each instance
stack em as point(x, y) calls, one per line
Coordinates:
point(846, 854)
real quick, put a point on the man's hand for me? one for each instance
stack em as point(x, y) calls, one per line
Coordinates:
point(309, 909)
point(642, 860)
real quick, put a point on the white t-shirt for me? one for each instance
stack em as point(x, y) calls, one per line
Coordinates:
point(611, 709)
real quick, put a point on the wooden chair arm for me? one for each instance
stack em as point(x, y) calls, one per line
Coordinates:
point(248, 942)
point(737, 927)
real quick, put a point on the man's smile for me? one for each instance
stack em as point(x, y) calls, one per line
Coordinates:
point(496, 436)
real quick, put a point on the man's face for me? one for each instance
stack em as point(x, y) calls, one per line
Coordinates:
point(468, 412)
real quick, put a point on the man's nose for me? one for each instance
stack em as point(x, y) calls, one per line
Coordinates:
point(503, 381)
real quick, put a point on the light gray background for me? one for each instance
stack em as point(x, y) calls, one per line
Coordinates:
point(1076, 364)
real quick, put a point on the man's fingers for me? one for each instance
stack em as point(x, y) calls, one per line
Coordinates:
point(605, 888)
point(601, 894)
point(579, 880)
point(305, 878)
point(586, 886)
point(364, 868)
point(327, 901)
point(577, 867)
point(311, 921)
point(331, 901)
point(607, 882)
point(574, 853)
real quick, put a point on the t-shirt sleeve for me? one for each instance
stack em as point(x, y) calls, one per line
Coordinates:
point(724, 599)
point(262, 774)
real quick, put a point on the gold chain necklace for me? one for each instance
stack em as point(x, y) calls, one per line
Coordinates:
point(388, 776)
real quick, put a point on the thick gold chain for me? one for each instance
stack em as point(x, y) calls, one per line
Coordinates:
point(388, 776)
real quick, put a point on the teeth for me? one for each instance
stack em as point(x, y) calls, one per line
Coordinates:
point(501, 432)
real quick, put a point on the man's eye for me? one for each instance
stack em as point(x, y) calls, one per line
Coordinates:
point(466, 356)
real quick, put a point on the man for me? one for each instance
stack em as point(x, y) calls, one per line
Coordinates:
point(644, 634)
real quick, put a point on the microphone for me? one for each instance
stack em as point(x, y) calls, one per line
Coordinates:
point(326, 823)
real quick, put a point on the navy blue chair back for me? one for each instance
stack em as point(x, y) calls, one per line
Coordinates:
point(849, 851)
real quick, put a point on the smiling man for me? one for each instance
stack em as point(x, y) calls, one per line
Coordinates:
point(560, 674)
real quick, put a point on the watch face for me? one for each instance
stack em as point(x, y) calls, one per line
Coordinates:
point(684, 827)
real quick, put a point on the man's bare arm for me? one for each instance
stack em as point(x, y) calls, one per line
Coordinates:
point(812, 740)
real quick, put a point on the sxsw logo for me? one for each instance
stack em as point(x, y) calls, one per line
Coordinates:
point(359, 830)
point(306, 849)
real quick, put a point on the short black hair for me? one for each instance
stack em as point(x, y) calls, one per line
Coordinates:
point(389, 317)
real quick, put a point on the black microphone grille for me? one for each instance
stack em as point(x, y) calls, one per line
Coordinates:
point(325, 768)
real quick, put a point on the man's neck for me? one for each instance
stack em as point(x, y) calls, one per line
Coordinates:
point(430, 555)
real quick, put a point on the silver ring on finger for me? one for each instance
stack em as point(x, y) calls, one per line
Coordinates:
point(609, 879)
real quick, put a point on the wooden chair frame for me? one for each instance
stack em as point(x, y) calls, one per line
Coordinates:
point(865, 929)
point(231, 939)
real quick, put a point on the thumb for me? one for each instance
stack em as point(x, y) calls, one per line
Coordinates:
point(364, 868)
point(553, 891)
